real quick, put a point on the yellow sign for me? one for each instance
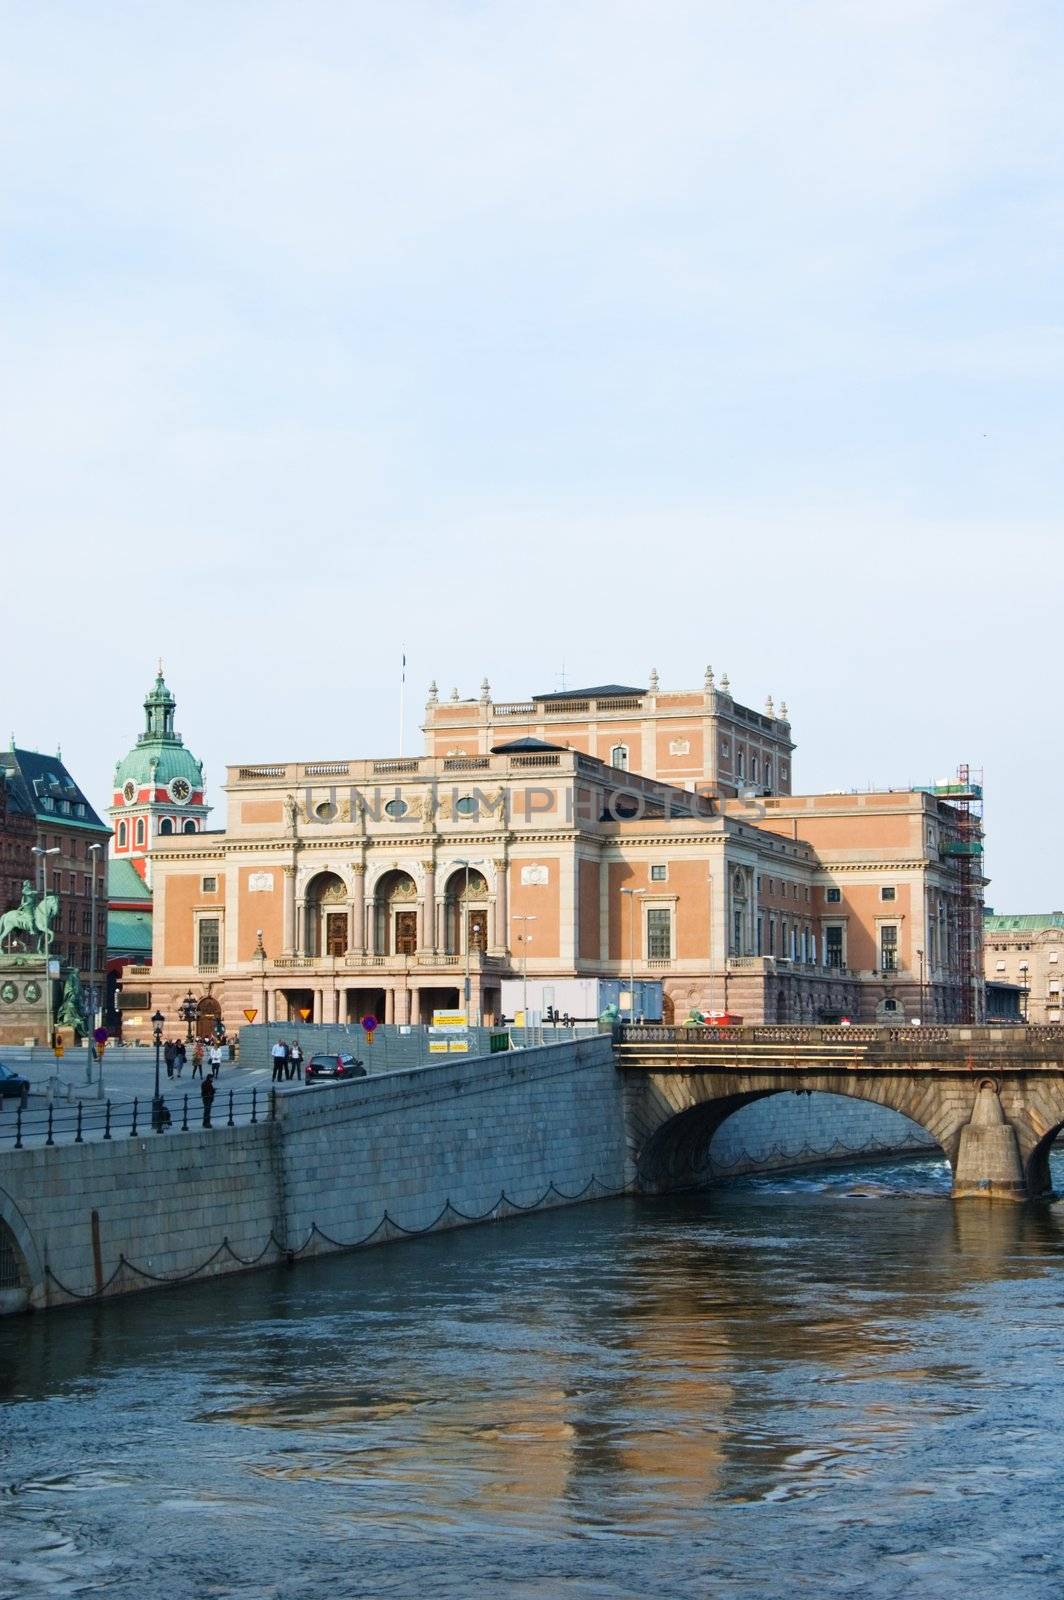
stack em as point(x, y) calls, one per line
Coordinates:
point(438, 1047)
point(251, 1013)
point(304, 1012)
point(58, 1050)
point(450, 1019)
point(459, 1045)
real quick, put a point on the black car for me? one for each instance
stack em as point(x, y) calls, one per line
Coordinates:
point(334, 1068)
point(13, 1086)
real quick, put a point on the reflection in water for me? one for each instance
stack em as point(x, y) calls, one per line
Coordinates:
point(831, 1383)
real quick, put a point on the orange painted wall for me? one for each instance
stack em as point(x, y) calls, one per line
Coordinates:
point(182, 894)
point(260, 910)
point(540, 901)
point(589, 910)
point(261, 811)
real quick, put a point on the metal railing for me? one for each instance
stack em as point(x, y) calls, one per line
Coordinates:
point(89, 1121)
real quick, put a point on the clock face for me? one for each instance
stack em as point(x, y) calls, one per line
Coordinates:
point(179, 790)
point(129, 793)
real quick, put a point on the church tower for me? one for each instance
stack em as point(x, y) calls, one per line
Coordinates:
point(158, 786)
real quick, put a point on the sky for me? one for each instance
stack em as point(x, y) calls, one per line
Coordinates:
point(550, 343)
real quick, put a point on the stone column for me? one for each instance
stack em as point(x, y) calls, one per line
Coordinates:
point(502, 901)
point(389, 1005)
point(288, 936)
point(301, 928)
point(429, 918)
point(370, 944)
point(335, 1003)
point(358, 908)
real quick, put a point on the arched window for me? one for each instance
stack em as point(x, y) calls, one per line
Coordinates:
point(166, 825)
point(768, 773)
point(755, 768)
point(139, 835)
point(190, 826)
point(122, 836)
point(740, 764)
point(619, 757)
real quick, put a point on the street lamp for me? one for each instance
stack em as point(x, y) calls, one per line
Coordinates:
point(633, 895)
point(920, 958)
point(157, 1103)
point(188, 1011)
point(94, 850)
point(1025, 991)
point(39, 850)
point(526, 940)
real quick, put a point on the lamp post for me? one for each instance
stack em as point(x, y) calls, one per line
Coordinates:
point(632, 896)
point(1025, 990)
point(188, 1011)
point(94, 850)
point(157, 1103)
point(526, 940)
point(920, 959)
point(43, 854)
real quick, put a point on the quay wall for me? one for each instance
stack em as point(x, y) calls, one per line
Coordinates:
point(398, 1153)
point(785, 1131)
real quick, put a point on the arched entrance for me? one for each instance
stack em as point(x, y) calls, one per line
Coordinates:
point(209, 1019)
point(327, 916)
point(465, 912)
point(395, 915)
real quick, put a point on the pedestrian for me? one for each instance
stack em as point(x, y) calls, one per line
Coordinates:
point(197, 1059)
point(169, 1056)
point(296, 1058)
point(216, 1060)
point(180, 1057)
point(279, 1053)
point(207, 1092)
point(288, 1059)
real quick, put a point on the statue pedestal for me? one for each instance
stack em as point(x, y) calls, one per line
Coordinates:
point(23, 1007)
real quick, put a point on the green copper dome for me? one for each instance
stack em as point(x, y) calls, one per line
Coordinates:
point(159, 756)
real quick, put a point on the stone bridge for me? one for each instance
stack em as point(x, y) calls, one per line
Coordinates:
point(992, 1098)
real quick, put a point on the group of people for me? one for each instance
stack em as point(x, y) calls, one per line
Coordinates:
point(176, 1055)
point(287, 1061)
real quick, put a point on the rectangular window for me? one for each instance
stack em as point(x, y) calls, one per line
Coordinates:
point(659, 934)
point(888, 892)
point(659, 874)
point(772, 936)
point(210, 885)
point(833, 896)
point(833, 947)
point(208, 942)
point(888, 949)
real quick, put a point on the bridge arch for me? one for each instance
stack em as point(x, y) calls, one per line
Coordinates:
point(21, 1267)
point(679, 1117)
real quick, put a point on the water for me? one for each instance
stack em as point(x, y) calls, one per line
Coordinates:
point(831, 1385)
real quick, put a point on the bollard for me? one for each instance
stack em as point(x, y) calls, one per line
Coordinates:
point(133, 1128)
point(107, 1120)
point(254, 1099)
point(77, 1136)
point(273, 1105)
point(229, 1124)
point(184, 1117)
point(18, 1128)
point(49, 1139)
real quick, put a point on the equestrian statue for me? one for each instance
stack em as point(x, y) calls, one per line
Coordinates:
point(33, 917)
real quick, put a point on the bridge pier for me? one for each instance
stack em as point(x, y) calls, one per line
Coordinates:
point(988, 1165)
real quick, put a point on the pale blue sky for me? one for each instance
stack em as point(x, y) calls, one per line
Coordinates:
point(629, 334)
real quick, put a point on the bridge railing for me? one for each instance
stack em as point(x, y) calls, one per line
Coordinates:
point(945, 1042)
point(87, 1121)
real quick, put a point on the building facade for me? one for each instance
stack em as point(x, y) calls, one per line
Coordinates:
point(1027, 952)
point(158, 786)
point(56, 813)
point(341, 888)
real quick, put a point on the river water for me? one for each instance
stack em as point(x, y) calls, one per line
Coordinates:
point(835, 1384)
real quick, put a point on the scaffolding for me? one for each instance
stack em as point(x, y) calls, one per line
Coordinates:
point(964, 844)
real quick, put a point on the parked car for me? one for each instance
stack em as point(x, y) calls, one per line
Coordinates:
point(13, 1086)
point(335, 1067)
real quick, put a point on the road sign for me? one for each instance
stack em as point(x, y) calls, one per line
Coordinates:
point(251, 1013)
point(304, 1012)
point(369, 1024)
point(100, 1035)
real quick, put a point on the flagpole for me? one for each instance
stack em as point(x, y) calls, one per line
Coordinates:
point(402, 702)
